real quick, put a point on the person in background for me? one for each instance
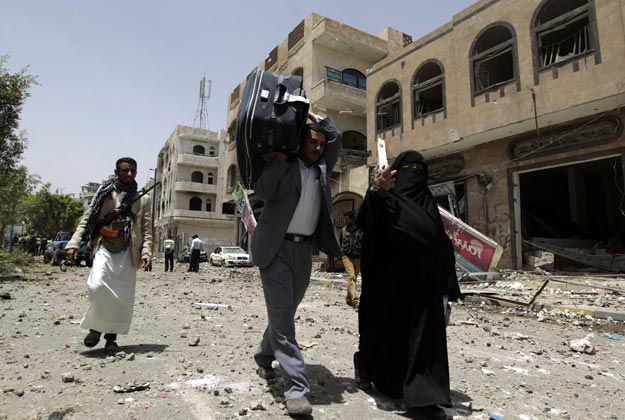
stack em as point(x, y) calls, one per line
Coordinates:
point(351, 244)
point(43, 245)
point(297, 211)
point(194, 260)
point(122, 248)
point(408, 268)
point(169, 247)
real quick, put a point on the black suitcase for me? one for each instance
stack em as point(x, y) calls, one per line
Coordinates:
point(271, 116)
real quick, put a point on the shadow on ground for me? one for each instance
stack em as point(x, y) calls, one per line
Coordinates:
point(133, 348)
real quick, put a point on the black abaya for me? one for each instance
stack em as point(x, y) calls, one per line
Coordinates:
point(407, 267)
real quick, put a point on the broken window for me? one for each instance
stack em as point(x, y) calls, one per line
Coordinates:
point(209, 205)
point(232, 176)
point(388, 106)
point(493, 59)
point(195, 204)
point(197, 176)
point(562, 30)
point(199, 150)
point(353, 140)
point(427, 90)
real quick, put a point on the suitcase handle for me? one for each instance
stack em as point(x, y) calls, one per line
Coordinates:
point(282, 96)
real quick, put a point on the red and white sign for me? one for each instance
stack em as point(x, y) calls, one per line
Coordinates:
point(474, 251)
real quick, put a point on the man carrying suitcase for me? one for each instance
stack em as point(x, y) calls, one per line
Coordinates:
point(297, 211)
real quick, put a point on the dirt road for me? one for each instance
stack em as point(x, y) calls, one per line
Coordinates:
point(511, 362)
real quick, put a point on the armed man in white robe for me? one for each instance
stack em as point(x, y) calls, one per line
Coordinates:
point(118, 227)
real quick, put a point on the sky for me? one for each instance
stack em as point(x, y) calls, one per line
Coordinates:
point(116, 77)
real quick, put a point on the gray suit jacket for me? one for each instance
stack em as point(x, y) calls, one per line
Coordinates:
point(280, 186)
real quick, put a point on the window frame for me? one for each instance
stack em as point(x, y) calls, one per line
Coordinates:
point(501, 48)
point(386, 103)
point(426, 85)
point(539, 31)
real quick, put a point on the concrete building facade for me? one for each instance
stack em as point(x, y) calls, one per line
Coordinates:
point(333, 60)
point(190, 199)
point(87, 192)
point(518, 104)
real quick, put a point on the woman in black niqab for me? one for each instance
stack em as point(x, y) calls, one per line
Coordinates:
point(407, 266)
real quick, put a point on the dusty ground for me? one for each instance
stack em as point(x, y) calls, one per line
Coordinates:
point(512, 362)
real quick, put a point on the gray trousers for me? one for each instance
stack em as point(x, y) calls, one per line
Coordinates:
point(285, 281)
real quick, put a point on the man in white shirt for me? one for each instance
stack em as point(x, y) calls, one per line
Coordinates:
point(196, 247)
point(297, 211)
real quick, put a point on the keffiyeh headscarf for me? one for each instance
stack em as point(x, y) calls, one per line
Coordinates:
point(104, 192)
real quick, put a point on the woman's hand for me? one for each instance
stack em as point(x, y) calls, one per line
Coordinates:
point(385, 179)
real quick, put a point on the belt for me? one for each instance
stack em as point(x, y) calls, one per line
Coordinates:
point(296, 238)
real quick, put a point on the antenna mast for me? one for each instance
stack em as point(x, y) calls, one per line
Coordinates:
point(201, 115)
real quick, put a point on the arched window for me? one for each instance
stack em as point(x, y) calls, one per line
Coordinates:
point(493, 58)
point(197, 176)
point(354, 78)
point(195, 204)
point(209, 178)
point(349, 77)
point(209, 204)
point(199, 150)
point(562, 30)
point(211, 151)
point(353, 140)
point(232, 176)
point(388, 106)
point(428, 89)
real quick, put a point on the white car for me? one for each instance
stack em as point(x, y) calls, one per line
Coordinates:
point(230, 256)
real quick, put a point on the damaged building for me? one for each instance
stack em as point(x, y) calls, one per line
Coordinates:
point(517, 108)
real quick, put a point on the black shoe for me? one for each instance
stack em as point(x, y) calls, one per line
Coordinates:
point(92, 339)
point(266, 373)
point(430, 412)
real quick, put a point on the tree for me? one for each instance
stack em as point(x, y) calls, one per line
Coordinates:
point(13, 91)
point(14, 188)
point(48, 213)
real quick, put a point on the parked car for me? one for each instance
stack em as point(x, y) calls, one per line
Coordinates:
point(185, 255)
point(55, 250)
point(230, 256)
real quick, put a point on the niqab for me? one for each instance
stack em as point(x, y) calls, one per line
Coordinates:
point(407, 266)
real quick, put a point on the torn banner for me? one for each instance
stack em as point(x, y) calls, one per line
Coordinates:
point(243, 205)
point(474, 251)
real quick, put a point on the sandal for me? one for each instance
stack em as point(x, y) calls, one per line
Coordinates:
point(112, 348)
point(92, 339)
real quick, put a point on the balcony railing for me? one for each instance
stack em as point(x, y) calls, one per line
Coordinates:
point(350, 159)
point(196, 187)
point(198, 160)
point(349, 79)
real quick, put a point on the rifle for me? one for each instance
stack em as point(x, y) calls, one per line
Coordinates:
point(102, 225)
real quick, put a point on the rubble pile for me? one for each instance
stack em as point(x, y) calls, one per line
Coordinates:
point(189, 352)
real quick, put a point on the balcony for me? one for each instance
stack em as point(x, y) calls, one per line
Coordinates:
point(349, 41)
point(333, 95)
point(198, 214)
point(190, 159)
point(196, 187)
